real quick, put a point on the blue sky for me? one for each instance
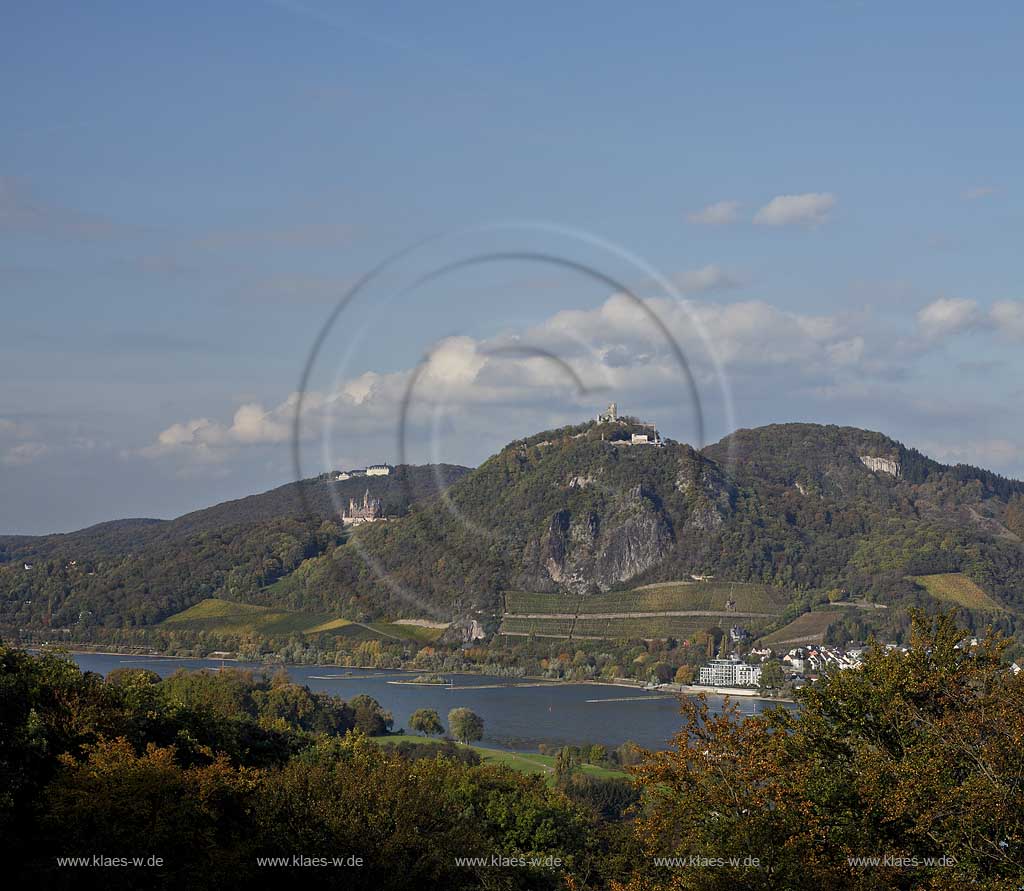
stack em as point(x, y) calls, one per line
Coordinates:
point(185, 192)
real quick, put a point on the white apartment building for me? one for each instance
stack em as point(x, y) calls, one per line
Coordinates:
point(729, 673)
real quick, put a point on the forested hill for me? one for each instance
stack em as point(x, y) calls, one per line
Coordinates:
point(137, 571)
point(575, 511)
point(311, 497)
point(802, 506)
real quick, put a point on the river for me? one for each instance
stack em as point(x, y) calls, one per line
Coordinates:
point(518, 714)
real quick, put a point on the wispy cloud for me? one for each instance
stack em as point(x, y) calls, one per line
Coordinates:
point(718, 214)
point(319, 234)
point(1008, 318)
point(949, 316)
point(978, 192)
point(23, 453)
point(22, 212)
point(707, 278)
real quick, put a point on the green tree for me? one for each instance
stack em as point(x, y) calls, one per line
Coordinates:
point(565, 764)
point(370, 718)
point(465, 725)
point(835, 595)
point(1015, 515)
point(426, 721)
point(771, 676)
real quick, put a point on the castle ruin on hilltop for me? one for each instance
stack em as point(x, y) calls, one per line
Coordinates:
point(650, 436)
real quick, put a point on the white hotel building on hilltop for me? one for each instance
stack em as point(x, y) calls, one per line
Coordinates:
point(729, 673)
point(371, 470)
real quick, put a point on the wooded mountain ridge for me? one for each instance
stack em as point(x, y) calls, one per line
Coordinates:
point(573, 511)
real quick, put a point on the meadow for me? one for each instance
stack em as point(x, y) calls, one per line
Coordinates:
point(230, 617)
point(955, 587)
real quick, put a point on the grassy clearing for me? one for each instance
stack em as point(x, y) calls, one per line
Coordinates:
point(523, 762)
point(955, 587)
point(406, 632)
point(228, 617)
point(810, 628)
point(332, 625)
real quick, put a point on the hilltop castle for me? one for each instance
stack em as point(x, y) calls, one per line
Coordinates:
point(371, 510)
point(651, 436)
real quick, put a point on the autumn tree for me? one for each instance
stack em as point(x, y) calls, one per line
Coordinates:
point(915, 755)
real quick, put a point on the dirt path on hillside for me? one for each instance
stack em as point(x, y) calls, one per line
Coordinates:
point(642, 615)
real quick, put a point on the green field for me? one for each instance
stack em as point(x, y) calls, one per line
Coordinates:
point(524, 763)
point(228, 617)
point(663, 597)
point(955, 587)
point(809, 628)
point(405, 632)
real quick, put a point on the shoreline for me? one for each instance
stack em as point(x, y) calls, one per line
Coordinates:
point(673, 689)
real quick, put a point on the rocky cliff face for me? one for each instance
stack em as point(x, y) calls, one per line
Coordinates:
point(881, 465)
point(584, 551)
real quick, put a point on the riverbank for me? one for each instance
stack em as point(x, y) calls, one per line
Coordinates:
point(731, 692)
point(518, 714)
point(517, 681)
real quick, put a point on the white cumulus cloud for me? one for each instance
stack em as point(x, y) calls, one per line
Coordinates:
point(946, 316)
point(808, 209)
point(493, 389)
